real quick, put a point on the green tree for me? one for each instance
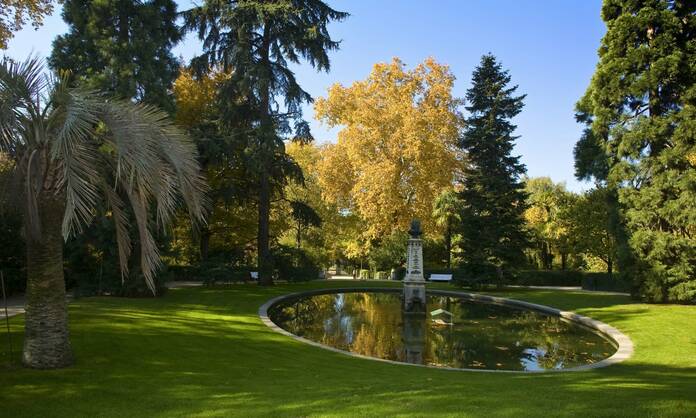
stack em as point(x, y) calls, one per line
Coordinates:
point(389, 252)
point(446, 212)
point(639, 142)
point(258, 39)
point(303, 202)
point(546, 219)
point(72, 150)
point(492, 222)
point(122, 47)
point(221, 154)
point(589, 229)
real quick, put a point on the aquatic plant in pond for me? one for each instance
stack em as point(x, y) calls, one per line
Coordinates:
point(478, 335)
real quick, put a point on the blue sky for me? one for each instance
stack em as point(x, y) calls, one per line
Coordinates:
point(549, 46)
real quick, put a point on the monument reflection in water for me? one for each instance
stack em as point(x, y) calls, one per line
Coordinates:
point(481, 335)
point(396, 326)
point(414, 300)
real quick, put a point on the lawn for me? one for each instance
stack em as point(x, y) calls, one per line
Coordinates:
point(204, 352)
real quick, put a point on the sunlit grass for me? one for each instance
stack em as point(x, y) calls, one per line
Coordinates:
point(204, 352)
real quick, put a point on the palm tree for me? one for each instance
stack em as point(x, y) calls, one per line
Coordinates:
point(72, 150)
point(446, 213)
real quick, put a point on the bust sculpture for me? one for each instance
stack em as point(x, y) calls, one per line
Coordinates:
point(415, 231)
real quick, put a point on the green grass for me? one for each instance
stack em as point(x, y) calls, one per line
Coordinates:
point(204, 352)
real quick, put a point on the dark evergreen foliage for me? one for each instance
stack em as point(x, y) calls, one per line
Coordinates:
point(257, 40)
point(122, 47)
point(492, 224)
point(640, 110)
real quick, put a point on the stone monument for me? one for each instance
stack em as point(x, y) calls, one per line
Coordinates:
point(414, 283)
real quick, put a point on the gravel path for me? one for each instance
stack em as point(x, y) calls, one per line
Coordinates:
point(15, 306)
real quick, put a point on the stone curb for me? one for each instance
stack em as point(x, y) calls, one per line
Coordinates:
point(624, 344)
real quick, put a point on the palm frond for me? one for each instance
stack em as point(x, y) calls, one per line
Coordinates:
point(123, 240)
point(74, 144)
point(149, 254)
point(155, 164)
point(73, 120)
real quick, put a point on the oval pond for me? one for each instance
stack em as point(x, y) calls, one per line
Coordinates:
point(475, 336)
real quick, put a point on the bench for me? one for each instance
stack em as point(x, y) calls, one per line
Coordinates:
point(254, 275)
point(440, 277)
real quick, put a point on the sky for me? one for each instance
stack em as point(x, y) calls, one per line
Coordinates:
point(548, 46)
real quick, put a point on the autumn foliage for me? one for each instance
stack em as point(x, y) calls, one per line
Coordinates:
point(396, 150)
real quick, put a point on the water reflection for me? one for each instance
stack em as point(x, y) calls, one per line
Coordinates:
point(480, 335)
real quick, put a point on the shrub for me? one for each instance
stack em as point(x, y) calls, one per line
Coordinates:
point(294, 265)
point(605, 282)
point(548, 278)
point(389, 253)
point(479, 274)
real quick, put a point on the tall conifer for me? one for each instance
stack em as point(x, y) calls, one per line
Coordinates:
point(256, 40)
point(494, 199)
point(640, 112)
point(122, 47)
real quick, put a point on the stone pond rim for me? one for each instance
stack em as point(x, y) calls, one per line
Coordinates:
point(624, 344)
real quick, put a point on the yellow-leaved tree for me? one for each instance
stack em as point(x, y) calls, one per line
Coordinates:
point(396, 150)
point(14, 14)
point(196, 96)
point(232, 218)
point(332, 240)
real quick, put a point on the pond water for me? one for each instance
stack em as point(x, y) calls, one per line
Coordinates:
point(477, 336)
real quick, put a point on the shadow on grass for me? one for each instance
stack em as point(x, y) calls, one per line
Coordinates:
point(204, 352)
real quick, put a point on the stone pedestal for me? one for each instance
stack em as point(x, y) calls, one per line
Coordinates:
point(414, 282)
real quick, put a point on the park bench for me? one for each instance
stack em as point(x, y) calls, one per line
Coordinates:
point(440, 277)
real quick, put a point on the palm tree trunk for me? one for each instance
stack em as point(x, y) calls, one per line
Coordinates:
point(46, 337)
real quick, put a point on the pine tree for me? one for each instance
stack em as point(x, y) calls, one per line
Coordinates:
point(258, 39)
point(494, 199)
point(122, 47)
point(640, 141)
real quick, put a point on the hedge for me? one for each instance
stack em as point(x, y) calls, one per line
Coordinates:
point(606, 283)
point(588, 281)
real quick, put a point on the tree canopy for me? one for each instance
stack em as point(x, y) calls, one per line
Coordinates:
point(14, 14)
point(122, 47)
point(492, 222)
point(256, 41)
point(639, 111)
point(396, 150)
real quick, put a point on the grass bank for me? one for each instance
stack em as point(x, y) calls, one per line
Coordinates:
point(204, 352)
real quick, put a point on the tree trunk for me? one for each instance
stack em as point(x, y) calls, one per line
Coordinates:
point(265, 260)
point(204, 244)
point(46, 337)
point(298, 238)
point(610, 266)
point(564, 260)
point(448, 245)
